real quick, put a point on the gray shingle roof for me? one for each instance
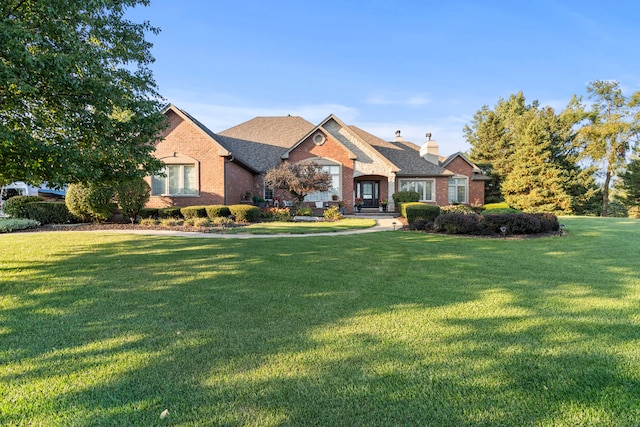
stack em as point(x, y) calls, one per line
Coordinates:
point(405, 155)
point(261, 141)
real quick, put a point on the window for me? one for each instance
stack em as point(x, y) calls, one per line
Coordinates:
point(424, 187)
point(323, 196)
point(268, 193)
point(458, 190)
point(180, 181)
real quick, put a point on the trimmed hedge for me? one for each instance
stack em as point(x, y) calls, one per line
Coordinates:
point(50, 213)
point(189, 212)
point(491, 224)
point(16, 206)
point(149, 213)
point(414, 211)
point(405, 197)
point(17, 224)
point(172, 212)
point(245, 213)
point(217, 211)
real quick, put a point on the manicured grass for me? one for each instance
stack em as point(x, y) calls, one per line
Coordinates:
point(304, 227)
point(372, 329)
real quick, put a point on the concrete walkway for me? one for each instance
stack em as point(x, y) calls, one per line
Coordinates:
point(382, 224)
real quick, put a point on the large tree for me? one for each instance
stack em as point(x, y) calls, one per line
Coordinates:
point(78, 102)
point(609, 136)
point(299, 179)
point(629, 184)
point(531, 154)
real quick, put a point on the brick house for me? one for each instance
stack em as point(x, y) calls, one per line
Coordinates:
point(203, 167)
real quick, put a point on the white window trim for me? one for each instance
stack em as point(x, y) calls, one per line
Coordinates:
point(179, 160)
point(466, 188)
point(321, 161)
point(426, 180)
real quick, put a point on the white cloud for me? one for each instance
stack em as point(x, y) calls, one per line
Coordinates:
point(386, 99)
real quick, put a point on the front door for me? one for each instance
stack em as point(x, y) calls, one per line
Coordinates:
point(369, 191)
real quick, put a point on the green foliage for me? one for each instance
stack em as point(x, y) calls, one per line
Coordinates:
point(245, 213)
point(91, 202)
point(277, 214)
point(170, 212)
point(216, 211)
point(332, 213)
point(414, 211)
point(190, 212)
point(149, 213)
point(405, 197)
point(50, 213)
point(493, 223)
point(463, 209)
point(132, 195)
point(304, 211)
point(17, 224)
point(614, 122)
point(629, 184)
point(500, 205)
point(16, 207)
point(79, 103)
point(531, 154)
point(501, 211)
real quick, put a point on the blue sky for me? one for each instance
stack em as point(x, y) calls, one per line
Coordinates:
point(414, 66)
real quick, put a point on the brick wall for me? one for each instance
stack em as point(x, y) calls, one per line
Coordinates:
point(183, 138)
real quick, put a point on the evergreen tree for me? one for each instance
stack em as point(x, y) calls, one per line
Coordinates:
point(629, 184)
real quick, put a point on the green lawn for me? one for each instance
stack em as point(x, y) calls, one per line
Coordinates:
point(380, 329)
point(304, 227)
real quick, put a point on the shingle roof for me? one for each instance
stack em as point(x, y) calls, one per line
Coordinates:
point(405, 155)
point(261, 141)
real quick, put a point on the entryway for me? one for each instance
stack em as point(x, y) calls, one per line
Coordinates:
point(369, 192)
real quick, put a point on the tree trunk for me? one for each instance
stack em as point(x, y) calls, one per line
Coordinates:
point(605, 194)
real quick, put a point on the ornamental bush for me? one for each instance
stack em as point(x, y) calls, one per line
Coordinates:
point(172, 212)
point(245, 213)
point(17, 224)
point(50, 213)
point(457, 223)
point(16, 206)
point(91, 202)
point(405, 197)
point(189, 212)
point(216, 211)
point(332, 213)
point(415, 211)
point(149, 213)
point(132, 195)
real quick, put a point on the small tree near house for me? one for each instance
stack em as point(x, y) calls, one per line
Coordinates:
point(300, 179)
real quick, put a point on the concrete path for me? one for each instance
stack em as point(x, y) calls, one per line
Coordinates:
point(382, 224)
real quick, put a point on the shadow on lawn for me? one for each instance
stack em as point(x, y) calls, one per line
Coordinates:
point(391, 329)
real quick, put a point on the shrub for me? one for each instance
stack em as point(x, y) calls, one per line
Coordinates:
point(193, 212)
point(518, 223)
point(548, 222)
point(149, 221)
point(422, 225)
point(148, 213)
point(457, 223)
point(91, 202)
point(277, 214)
point(332, 213)
point(501, 205)
point(132, 195)
point(171, 222)
point(50, 213)
point(216, 211)
point(413, 211)
point(303, 212)
point(222, 221)
point(633, 211)
point(172, 212)
point(463, 209)
point(17, 224)
point(245, 213)
point(16, 206)
point(405, 197)
point(501, 211)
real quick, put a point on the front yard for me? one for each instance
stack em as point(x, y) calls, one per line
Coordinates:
point(371, 329)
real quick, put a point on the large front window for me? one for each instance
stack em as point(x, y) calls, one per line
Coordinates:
point(457, 190)
point(424, 187)
point(323, 196)
point(180, 180)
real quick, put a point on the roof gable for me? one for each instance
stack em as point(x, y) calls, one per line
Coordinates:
point(222, 150)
